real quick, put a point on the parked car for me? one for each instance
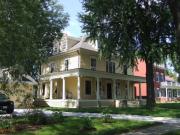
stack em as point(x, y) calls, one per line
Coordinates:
point(6, 104)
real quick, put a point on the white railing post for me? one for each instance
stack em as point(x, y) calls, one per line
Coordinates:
point(51, 88)
point(97, 91)
point(64, 89)
point(114, 88)
point(78, 87)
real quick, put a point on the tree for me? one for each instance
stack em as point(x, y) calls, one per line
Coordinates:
point(131, 30)
point(175, 10)
point(27, 31)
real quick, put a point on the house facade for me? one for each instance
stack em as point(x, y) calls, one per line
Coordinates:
point(169, 90)
point(74, 76)
point(166, 88)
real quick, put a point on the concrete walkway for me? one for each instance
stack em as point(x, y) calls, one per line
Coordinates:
point(169, 124)
point(155, 130)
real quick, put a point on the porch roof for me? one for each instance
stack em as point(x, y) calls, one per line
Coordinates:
point(91, 73)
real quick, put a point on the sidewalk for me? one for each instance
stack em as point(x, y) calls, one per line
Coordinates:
point(169, 124)
point(114, 116)
point(155, 130)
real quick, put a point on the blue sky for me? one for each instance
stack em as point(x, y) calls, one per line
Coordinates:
point(73, 7)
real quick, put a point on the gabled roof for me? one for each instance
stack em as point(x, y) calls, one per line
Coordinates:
point(85, 45)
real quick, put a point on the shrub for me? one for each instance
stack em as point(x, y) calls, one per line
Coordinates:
point(57, 117)
point(106, 115)
point(87, 124)
point(6, 123)
point(37, 118)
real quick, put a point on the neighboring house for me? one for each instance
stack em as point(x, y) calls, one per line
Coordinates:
point(19, 90)
point(74, 76)
point(161, 83)
point(169, 90)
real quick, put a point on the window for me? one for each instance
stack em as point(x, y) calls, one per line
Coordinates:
point(161, 77)
point(110, 67)
point(157, 77)
point(93, 64)
point(125, 69)
point(43, 90)
point(66, 63)
point(88, 87)
point(52, 67)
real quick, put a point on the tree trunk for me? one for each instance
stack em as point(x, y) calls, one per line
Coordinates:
point(150, 85)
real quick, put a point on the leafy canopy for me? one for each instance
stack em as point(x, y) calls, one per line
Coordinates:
point(129, 29)
point(27, 30)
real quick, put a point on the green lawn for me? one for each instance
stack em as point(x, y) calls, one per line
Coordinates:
point(72, 126)
point(177, 132)
point(161, 110)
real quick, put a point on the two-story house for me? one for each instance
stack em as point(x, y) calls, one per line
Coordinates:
point(75, 76)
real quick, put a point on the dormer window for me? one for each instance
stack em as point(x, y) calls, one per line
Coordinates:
point(93, 64)
point(66, 63)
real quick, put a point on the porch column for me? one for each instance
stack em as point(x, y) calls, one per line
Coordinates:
point(128, 90)
point(140, 97)
point(159, 92)
point(114, 88)
point(64, 88)
point(97, 91)
point(78, 87)
point(166, 93)
point(51, 88)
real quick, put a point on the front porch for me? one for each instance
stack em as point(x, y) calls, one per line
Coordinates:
point(87, 88)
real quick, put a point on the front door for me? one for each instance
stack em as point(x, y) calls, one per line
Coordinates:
point(109, 91)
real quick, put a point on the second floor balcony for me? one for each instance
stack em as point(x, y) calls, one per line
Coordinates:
point(171, 85)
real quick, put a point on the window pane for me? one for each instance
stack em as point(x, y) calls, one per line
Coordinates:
point(113, 67)
point(66, 64)
point(110, 67)
point(88, 87)
point(107, 66)
point(93, 64)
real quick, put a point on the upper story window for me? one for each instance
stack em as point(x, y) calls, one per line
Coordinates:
point(52, 67)
point(88, 87)
point(93, 64)
point(125, 69)
point(66, 64)
point(157, 77)
point(110, 66)
point(161, 77)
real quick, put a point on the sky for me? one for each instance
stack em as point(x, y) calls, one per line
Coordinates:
point(72, 7)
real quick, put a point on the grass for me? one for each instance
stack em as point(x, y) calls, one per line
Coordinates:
point(161, 110)
point(72, 126)
point(176, 132)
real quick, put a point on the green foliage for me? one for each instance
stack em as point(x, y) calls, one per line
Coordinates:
point(37, 118)
point(57, 117)
point(5, 123)
point(131, 30)
point(86, 124)
point(107, 115)
point(27, 31)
